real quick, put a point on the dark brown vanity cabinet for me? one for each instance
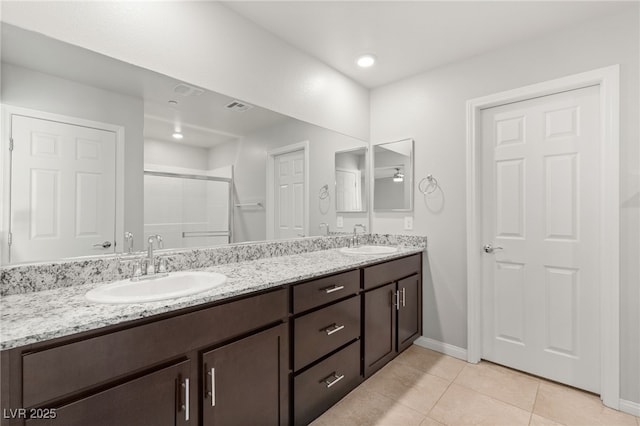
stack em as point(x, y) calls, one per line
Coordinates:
point(392, 310)
point(278, 357)
point(245, 382)
point(147, 372)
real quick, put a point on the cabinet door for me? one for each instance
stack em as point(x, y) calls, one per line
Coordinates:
point(409, 317)
point(379, 327)
point(159, 398)
point(246, 382)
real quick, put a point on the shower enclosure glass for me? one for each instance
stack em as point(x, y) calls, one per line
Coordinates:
point(188, 210)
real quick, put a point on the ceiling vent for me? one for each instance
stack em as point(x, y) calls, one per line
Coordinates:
point(238, 106)
point(187, 90)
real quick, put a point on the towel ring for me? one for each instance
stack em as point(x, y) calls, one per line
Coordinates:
point(428, 185)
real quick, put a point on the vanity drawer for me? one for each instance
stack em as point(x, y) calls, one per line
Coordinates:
point(394, 270)
point(324, 290)
point(318, 333)
point(323, 385)
point(65, 369)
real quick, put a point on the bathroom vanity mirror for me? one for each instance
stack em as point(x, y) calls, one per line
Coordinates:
point(351, 180)
point(160, 130)
point(393, 176)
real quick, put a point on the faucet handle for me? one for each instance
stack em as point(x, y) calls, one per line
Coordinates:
point(161, 268)
point(137, 269)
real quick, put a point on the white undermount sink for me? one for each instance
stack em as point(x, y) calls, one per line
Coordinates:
point(369, 250)
point(176, 284)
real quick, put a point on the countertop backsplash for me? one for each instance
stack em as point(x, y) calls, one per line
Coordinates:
point(18, 279)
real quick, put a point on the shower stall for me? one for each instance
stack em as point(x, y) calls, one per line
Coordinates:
point(188, 210)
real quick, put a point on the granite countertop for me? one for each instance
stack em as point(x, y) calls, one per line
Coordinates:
point(39, 316)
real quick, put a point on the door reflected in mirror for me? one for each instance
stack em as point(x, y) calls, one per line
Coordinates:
point(393, 176)
point(351, 180)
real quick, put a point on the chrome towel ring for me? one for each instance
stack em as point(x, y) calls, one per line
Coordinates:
point(428, 185)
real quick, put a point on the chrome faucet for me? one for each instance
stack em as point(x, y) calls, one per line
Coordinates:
point(150, 259)
point(150, 267)
point(356, 242)
point(326, 227)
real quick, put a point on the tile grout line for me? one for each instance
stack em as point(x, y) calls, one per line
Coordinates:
point(445, 391)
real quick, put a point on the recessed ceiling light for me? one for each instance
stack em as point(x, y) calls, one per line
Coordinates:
point(178, 135)
point(365, 61)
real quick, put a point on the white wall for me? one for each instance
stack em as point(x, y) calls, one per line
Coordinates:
point(175, 155)
point(248, 157)
point(43, 92)
point(430, 107)
point(206, 44)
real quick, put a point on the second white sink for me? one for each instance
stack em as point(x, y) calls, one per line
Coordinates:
point(369, 250)
point(176, 284)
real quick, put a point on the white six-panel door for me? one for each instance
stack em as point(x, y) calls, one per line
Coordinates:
point(62, 190)
point(540, 213)
point(289, 195)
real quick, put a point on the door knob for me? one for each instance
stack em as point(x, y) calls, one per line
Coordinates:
point(105, 245)
point(488, 248)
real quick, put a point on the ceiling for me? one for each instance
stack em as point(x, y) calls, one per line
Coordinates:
point(409, 37)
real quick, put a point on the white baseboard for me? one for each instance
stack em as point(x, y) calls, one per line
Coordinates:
point(442, 347)
point(630, 407)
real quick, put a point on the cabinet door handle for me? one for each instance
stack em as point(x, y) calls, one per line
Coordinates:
point(333, 328)
point(333, 379)
point(212, 393)
point(396, 295)
point(403, 297)
point(185, 406)
point(332, 289)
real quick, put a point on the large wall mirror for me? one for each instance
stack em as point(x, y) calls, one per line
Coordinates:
point(393, 176)
point(146, 154)
point(351, 180)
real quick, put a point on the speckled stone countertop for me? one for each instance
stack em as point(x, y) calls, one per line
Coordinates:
point(43, 315)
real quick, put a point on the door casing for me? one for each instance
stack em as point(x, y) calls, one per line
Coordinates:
point(608, 81)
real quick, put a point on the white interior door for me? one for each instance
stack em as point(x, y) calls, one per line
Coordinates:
point(540, 206)
point(62, 190)
point(348, 190)
point(289, 196)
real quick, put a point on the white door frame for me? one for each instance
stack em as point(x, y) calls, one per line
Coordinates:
point(608, 80)
point(8, 111)
point(271, 155)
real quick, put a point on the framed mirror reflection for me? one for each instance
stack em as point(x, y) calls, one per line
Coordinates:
point(393, 176)
point(351, 180)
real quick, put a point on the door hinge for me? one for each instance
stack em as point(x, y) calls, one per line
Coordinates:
point(10, 238)
point(10, 144)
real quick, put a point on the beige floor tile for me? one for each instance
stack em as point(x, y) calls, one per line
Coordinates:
point(428, 421)
point(366, 408)
point(431, 362)
point(500, 383)
point(463, 406)
point(537, 420)
point(407, 385)
point(573, 407)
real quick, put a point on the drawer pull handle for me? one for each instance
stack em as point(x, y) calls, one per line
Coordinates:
point(333, 328)
point(332, 289)
point(333, 379)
